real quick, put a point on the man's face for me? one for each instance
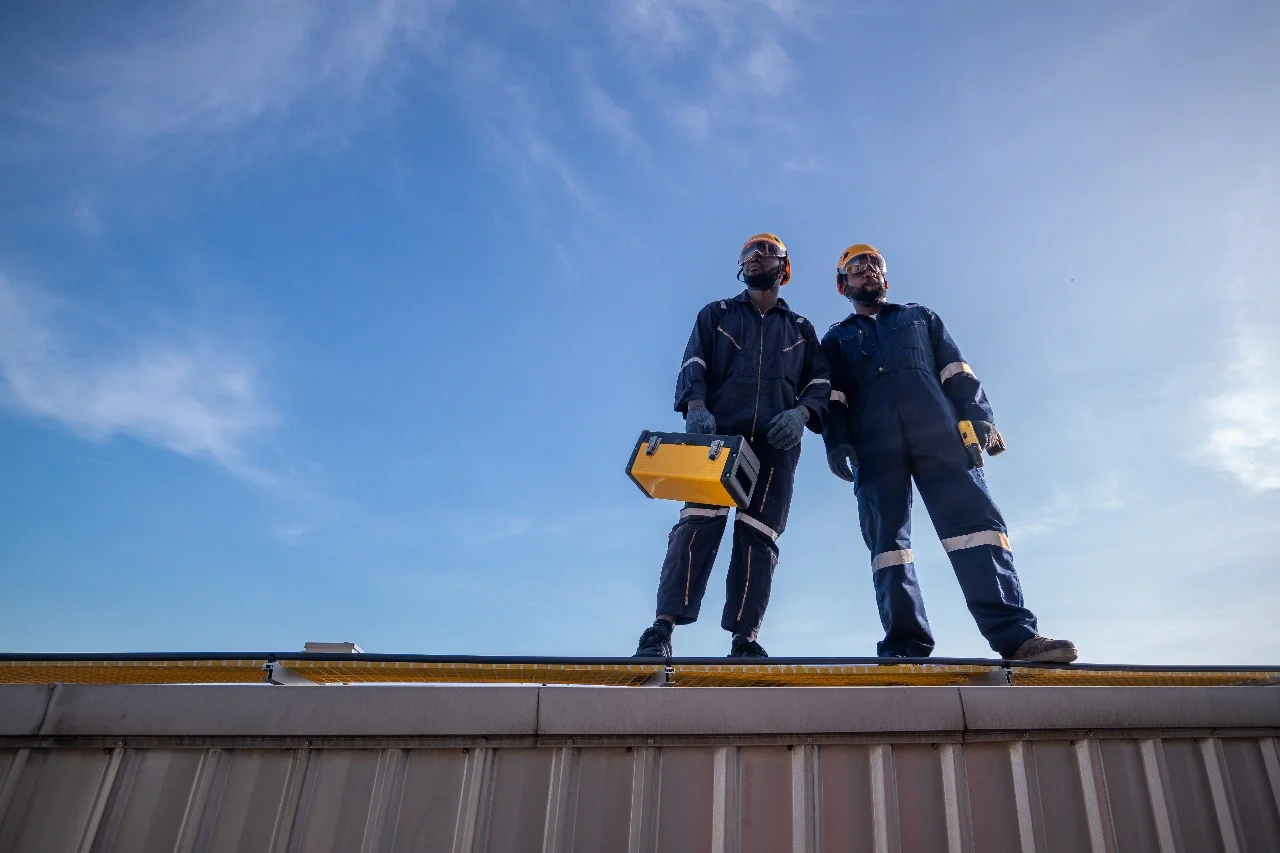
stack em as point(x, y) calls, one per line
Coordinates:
point(758, 263)
point(868, 280)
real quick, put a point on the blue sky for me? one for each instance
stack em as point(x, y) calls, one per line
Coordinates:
point(327, 321)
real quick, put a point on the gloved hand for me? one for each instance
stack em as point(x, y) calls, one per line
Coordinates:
point(989, 437)
point(842, 461)
point(787, 428)
point(699, 421)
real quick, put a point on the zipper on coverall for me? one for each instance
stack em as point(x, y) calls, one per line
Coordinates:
point(759, 378)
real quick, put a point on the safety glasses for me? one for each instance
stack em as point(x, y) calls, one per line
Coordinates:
point(865, 261)
point(761, 247)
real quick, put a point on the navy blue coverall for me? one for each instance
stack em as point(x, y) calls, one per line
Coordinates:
point(747, 368)
point(899, 389)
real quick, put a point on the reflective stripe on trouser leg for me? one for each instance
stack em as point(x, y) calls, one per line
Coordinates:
point(755, 533)
point(901, 606)
point(992, 592)
point(973, 532)
point(692, 546)
point(884, 514)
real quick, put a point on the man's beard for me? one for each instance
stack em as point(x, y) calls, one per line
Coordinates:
point(763, 280)
point(872, 296)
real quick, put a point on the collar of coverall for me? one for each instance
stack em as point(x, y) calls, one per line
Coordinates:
point(887, 307)
point(782, 303)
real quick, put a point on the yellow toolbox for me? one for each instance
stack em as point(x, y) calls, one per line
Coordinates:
point(720, 470)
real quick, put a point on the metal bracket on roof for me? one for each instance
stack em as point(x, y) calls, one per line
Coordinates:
point(1001, 677)
point(662, 678)
point(281, 675)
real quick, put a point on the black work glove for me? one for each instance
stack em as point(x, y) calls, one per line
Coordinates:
point(787, 428)
point(699, 421)
point(842, 461)
point(989, 438)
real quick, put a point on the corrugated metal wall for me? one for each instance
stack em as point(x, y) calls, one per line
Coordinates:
point(74, 787)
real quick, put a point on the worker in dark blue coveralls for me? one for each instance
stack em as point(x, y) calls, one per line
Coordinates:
point(753, 367)
point(899, 390)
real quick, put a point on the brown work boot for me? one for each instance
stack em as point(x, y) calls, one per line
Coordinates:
point(1045, 650)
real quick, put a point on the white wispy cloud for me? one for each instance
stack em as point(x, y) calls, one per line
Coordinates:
point(204, 70)
point(735, 43)
point(86, 219)
point(608, 114)
point(769, 69)
point(1243, 414)
point(1244, 439)
point(493, 92)
point(195, 397)
point(1068, 508)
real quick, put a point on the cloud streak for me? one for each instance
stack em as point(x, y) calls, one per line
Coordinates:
point(739, 63)
point(1243, 436)
point(213, 69)
point(195, 398)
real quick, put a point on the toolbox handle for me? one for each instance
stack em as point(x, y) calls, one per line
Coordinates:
point(652, 447)
point(716, 447)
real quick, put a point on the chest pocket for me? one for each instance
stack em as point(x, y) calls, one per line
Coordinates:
point(910, 334)
point(729, 345)
point(856, 348)
point(793, 359)
point(910, 346)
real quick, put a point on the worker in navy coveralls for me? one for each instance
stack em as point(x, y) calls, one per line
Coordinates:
point(899, 389)
point(755, 368)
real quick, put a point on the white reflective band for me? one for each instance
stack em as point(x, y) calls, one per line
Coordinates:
point(973, 540)
point(694, 360)
point(758, 525)
point(839, 397)
point(891, 558)
point(697, 510)
point(953, 368)
point(815, 382)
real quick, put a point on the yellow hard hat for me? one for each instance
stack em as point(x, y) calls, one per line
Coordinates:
point(766, 237)
point(852, 252)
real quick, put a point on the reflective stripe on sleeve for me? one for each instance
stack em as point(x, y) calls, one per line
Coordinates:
point(953, 368)
point(839, 397)
point(694, 360)
point(973, 540)
point(703, 511)
point(758, 525)
point(891, 558)
point(815, 382)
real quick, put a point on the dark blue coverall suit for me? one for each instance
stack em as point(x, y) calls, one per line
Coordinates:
point(899, 389)
point(747, 369)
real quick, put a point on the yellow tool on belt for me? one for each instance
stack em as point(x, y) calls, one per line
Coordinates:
point(720, 470)
point(970, 438)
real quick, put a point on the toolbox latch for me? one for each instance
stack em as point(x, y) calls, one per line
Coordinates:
point(716, 447)
point(652, 447)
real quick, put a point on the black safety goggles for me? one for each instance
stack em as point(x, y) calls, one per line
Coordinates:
point(860, 263)
point(768, 248)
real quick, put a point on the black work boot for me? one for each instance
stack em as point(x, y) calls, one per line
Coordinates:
point(745, 647)
point(655, 642)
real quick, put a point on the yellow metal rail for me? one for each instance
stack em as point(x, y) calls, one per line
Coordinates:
point(366, 669)
point(132, 671)
point(448, 672)
point(826, 675)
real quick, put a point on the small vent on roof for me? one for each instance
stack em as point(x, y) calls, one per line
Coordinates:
point(333, 648)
